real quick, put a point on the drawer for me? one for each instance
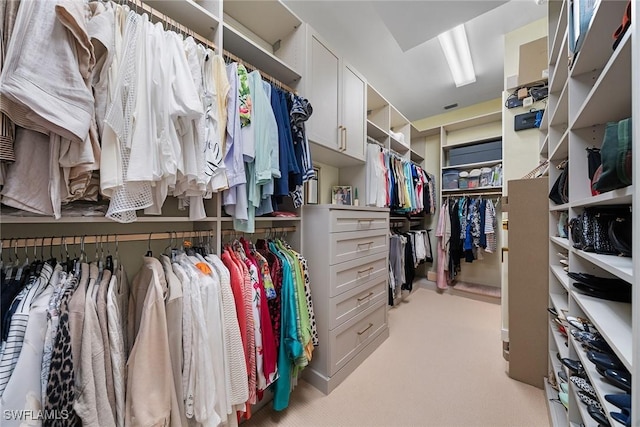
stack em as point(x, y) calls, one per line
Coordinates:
point(352, 245)
point(349, 275)
point(347, 339)
point(342, 220)
point(351, 303)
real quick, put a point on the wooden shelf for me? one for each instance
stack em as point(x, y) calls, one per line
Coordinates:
point(558, 208)
point(562, 276)
point(375, 131)
point(560, 34)
point(6, 219)
point(245, 48)
point(561, 113)
point(270, 20)
point(561, 151)
point(559, 339)
point(613, 321)
point(621, 196)
point(559, 302)
point(474, 121)
point(477, 165)
point(557, 412)
point(610, 98)
point(479, 190)
point(398, 146)
point(188, 13)
point(602, 386)
point(596, 50)
point(621, 267)
point(416, 157)
point(560, 241)
point(561, 70)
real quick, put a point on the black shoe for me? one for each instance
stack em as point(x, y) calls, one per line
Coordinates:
point(620, 379)
point(598, 415)
point(607, 361)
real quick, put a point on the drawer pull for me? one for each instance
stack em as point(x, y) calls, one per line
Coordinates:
point(368, 244)
point(365, 329)
point(369, 221)
point(365, 297)
point(370, 269)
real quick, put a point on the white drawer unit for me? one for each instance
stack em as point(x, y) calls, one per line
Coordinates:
point(354, 245)
point(347, 249)
point(343, 220)
point(350, 274)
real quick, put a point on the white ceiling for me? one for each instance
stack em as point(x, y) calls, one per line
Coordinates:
point(394, 45)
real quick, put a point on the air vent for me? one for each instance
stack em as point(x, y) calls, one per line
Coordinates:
point(450, 106)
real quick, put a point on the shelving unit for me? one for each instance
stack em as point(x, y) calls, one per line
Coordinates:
point(594, 88)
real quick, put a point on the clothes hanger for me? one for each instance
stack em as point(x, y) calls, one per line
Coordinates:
point(149, 252)
point(109, 260)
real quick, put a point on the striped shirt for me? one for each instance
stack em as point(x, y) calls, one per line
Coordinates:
point(13, 345)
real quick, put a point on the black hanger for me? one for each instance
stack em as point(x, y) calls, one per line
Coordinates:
point(149, 253)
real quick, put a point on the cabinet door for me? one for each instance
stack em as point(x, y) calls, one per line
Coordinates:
point(324, 89)
point(354, 112)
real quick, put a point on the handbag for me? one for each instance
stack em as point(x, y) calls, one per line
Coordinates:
point(620, 230)
point(603, 230)
point(616, 156)
point(594, 163)
point(559, 193)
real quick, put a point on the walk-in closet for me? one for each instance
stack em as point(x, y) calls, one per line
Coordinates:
point(323, 213)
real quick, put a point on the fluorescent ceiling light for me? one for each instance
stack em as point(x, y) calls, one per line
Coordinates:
point(456, 49)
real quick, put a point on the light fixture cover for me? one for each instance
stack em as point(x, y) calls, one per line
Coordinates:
point(456, 49)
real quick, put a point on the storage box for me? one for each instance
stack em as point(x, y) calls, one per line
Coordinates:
point(485, 177)
point(463, 182)
point(474, 181)
point(483, 152)
point(450, 179)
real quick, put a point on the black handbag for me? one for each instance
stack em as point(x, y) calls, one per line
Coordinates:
point(603, 230)
point(594, 163)
point(559, 193)
point(616, 156)
point(620, 235)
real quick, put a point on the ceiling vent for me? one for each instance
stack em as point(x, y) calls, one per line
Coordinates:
point(450, 106)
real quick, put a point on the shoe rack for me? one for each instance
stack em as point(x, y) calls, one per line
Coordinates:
point(586, 91)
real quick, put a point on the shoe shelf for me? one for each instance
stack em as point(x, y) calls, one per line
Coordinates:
point(559, 302)
point(613, 321)
point(602, 386)
point(560, 115)
point(561, 241)
point(555, 363)
point(559, 272)
point(619, 266)
point(559, 339)
point(557, 411)
point(587, 421)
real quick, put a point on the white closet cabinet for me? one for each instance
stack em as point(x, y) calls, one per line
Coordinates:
point(597, 86)
point(347, 251)
point(324, 126)
point(338, 93)
point(354, 89)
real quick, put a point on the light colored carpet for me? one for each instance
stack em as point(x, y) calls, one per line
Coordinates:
point(441, 366)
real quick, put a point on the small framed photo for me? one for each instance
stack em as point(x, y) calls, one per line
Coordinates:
point(341, 195)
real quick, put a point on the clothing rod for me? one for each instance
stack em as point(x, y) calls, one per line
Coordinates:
point(161, 16)
point(28, 242)
point(266, 230)
point(272, 79)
